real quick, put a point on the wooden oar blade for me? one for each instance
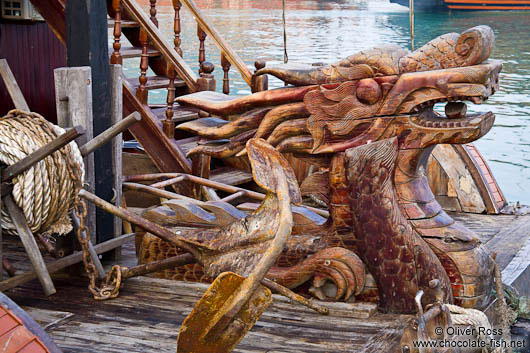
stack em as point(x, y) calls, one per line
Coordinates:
point(196, 335)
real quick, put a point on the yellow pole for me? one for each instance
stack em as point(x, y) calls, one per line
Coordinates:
point(285, 57)
point(411, 20)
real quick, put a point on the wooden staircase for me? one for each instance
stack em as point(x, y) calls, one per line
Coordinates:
point(156, 131)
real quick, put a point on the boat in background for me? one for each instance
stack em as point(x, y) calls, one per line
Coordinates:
point(470, 5)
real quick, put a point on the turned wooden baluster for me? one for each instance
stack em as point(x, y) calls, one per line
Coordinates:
point(141, 91)
point(116, 58)
point(176, 26)
point(152, 12)
point(259, 83)
point(202, 53)
point(226, 67)
point(168, 125)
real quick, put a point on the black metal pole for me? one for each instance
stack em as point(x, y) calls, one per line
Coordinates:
point(87, 45)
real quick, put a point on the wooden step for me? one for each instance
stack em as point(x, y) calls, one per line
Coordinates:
point(155, 82)
point(124, 23)
point(180, 114)
point(230, 176)
point(225, 175)
point(188, 143)
point(135, 52)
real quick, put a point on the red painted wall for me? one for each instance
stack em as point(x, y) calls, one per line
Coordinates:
point(32, 51)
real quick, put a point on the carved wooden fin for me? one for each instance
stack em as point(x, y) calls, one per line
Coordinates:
point(304, 220)
point(190, 212)
point(224, 212)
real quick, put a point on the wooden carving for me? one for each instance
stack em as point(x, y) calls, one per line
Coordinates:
point(369, 120)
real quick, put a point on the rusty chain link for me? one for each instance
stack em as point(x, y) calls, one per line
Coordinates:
point(109, 289)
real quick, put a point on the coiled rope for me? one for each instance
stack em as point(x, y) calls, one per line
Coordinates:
point(47, 191)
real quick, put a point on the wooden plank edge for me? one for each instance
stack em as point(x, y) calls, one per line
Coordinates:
point(478, 178)
point(517, 272)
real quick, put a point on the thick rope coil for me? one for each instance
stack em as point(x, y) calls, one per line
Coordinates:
point(47, 191)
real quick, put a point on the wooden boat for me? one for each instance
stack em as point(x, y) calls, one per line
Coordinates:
point(467, 5)
point(212, 187)
point(20, 333)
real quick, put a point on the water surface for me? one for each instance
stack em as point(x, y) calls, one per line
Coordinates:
point(326, 31)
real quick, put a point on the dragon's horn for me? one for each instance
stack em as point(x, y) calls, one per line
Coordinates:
point(304, 75)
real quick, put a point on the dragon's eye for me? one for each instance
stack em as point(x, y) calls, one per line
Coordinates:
point(368, 91)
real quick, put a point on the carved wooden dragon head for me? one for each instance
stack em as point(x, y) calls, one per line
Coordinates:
point(375, 94)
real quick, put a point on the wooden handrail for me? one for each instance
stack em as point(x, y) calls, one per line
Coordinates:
point(157, 39)
point(219, 41)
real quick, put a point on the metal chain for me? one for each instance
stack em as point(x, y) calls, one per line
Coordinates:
point(109, 289)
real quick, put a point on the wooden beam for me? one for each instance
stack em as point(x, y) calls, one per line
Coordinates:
point(54, 14)
point(165, 153)
point(28, 240)
point(109, 134)
point(12, 86)
point(65, 262)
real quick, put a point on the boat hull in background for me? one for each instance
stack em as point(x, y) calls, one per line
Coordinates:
point(470, 5)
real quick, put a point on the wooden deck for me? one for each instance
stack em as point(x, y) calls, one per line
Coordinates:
point(148, 312)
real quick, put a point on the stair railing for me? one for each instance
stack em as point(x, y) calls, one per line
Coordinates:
point(156, 38)
point(228, 56)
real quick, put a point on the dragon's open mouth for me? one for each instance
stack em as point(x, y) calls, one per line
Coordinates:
point(456, 115)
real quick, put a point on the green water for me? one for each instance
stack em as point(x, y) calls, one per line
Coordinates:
point(325, 31)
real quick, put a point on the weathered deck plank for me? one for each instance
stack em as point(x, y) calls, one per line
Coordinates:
point(147, 315)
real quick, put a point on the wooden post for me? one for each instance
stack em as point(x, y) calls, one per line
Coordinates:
point(73, 95)
point(87, 45)
point(116, 116)
point(259, 83)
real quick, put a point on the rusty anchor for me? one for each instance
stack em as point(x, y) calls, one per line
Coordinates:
point(240, 255)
